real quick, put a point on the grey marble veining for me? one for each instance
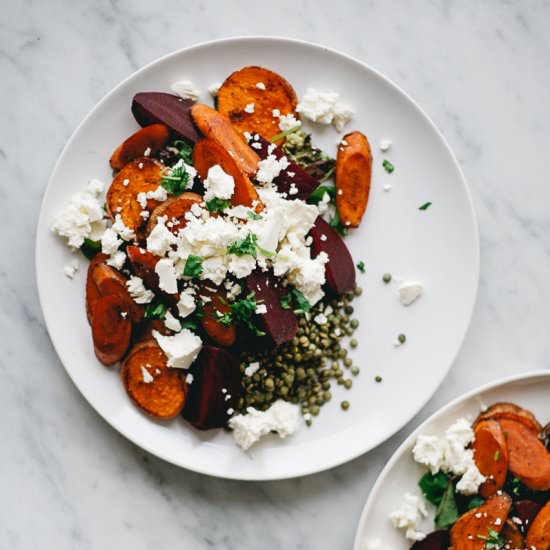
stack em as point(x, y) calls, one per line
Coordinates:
point(67, 480)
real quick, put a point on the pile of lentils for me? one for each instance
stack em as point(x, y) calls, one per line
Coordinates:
point(302, 370)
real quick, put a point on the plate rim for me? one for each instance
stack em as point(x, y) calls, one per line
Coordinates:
point(329, 464)
point(406, 443)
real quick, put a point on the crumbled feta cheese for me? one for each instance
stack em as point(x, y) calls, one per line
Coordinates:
point(214, 89)
point(189, 378)
point(324, 108)
point(126, 182)
point(260, 85)
point(161, 238)
point(249, 108)
point(71, 268)
point(270, 168)
point(252, 368)
point(293, 190)
point(320, 319)
point(218, 184)
point(323, 237)
point(125, 233)
point(261, 309)
point(117, 260)
point(171, 323)
point(409, 515)
point(186, 304)
point(146, 375)
point(281, 417)
point(138, 292)
point(385, 144)
point(95, 187)
point(185, 89)
point(181, 349)
point(166, 272)
point(276, 113)
point(147, 152)
point(409, 291)
point(288, 122)
point(387, 187)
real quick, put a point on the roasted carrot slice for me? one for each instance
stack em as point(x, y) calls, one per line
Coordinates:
point(265, 91)
point(152, 138)
point(208, 153)
point(222, 334)
point(174, 209)
point(538, 536)
point(491, 456)
point(218, 128)
point(92, 293)
point(529, 459)
point(141, 175)
point(155, 388)
point(513, 539)
point(111, 329)
point(471, 530)
point(510, 411)
point(108, 280)
point(353, 176)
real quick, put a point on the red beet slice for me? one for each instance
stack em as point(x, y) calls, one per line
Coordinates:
point(280, 324)
point(304, 182)
point(215, 389)
point(340, 271)
point(526, 510)
point(171, 110)
point(438, 540)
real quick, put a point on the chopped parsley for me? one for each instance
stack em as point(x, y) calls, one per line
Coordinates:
point(245, 246)
point(217, 205)
point(193, 266)
point(388, 166)
point(319, 193)
point(475, 502)
point(185, 151)
point(253, 216)
point(425, 206)
point(446, 512)
point(316, 163)
point(284, 134)
point(286, 301)
point(301, 304)
point(337, 225)
point(433, 486)
point(90, 248)
point(176, 179)
point(361, 266)
point(242, 311)
point(190, 324)
point(155, 310)
point(493, 540)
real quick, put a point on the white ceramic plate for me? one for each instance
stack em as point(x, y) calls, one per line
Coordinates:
point(401, 473)
point(438, 246)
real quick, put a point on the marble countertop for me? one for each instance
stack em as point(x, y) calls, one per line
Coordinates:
point(67, 480)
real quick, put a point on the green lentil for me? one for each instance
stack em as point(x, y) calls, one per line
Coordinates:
point(353, 343)
point(355, 371)
point(344, 405)
point(386, 277)
point(378, 379)
point(402, 338)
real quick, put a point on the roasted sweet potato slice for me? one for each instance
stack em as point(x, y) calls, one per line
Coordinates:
point(491, 456)
point(156, 389)
point(438, 540)
point(218, 128)
point(208, 153)
point(353, 177)
point(222, 334)
point(171, 110)
point(529, 459)
point(174, 209)
point(340, 270)
point(216, 389)
point(471, 530)
point(92, 293)
point(510, 411)
point(111, 329)
point(241, 89)
point(513, 539)
point(538, 536)
point(108, 280)
point(141, 175)
point(152, 138)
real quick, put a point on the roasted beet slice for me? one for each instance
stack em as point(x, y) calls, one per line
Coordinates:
point(168, 109)
point(215, 390)
point(340, 271)
point(142, 264)
point(305, 183)
point(438, 540)
point(526, 510)
point(280, 324)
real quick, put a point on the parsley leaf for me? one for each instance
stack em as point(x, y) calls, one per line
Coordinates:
point(90, 248)
point(190, 324)
point(242, 311)
point(433, 486)
point(425, 206)
point(446, 512)
point(253, 216)
point(302, 304)
point(361, 266)
point(244, 246)
point(185, 151)
point(493, 540)
point(316, 163)
point(318, 194)
point(475, 502)
point(176, 179)
point(286, 301)
point(388, 166)
point(217, 205)
point(155, 310)
point(337, 225)
point(193, 266)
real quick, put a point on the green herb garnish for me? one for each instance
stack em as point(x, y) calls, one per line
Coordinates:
point(446, 512)
point(388, 166)
point(185, 151)
point(425, 206)
point(284, 134)
point(190, 324)
point(193, 266)
point(243, 311)
point(361, 266)
point(319, 193)
point(302, 304)
point(217, 205)
point(493, 540)
point(90, 248)
point(245, 246)
point(176, 179)
point(155, 310)
point(433, 486)
point(475, 502)
point(253, 216)
point(317, 163)
point(337, 225)
point(286, 301)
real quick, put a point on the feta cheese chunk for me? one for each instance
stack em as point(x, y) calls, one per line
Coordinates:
point(249, 108)
point(385, 144)
point(288, 122)
point(161, 238)
point(270, 168)
point(252, 368)
point(138, 292)
point(71, 268)
point(186, 304)
point(409, 515)
point(171, 323)
point(214, 89)
point(146, 375)
point(181, 349)
point(410, 291)
point(218, 184)
point(281, 417)
point(185, 89)
point(167, 276)
point(324, 108)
